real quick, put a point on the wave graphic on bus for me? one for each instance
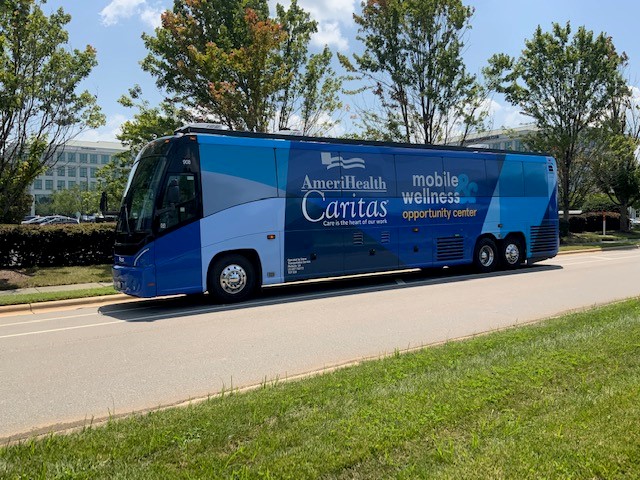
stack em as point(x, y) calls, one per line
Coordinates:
point(338, 161)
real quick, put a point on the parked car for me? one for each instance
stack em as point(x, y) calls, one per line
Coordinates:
point(59, 220)
point(33, 220)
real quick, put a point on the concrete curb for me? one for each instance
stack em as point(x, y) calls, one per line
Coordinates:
point(599, 249)
point(73, 302)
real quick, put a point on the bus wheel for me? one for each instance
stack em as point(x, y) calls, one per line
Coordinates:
point(485, 256)
point(512, 252)
point(232, 279)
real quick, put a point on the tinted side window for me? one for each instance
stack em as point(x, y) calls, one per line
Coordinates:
point(535, 179)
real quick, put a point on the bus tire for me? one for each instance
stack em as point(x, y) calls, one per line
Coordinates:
point(485, 255)
point(512, 252)
point(232, 278)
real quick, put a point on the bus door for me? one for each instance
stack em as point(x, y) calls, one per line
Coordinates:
point(177, 247)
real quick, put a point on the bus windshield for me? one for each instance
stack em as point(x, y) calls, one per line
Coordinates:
point(139, 200)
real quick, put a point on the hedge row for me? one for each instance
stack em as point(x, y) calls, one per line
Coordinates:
point(592, 222)
point(56, 245)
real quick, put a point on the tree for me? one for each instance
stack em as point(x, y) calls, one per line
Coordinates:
point(414, 64)
point(616, 166)
point(566, 84)
point(40, 108)
point(307, 100)
point(227, 61)
point(148, 124)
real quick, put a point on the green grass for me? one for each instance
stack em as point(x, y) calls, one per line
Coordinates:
point(559, 399)
point(48, 276)
point(586, 240)
point(19, 299)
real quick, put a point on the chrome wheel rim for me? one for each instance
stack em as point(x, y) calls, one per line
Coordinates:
point(512, 254)
point(486, 256)
point(233, 279)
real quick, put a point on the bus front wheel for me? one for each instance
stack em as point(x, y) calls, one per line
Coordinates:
point(485, 257)
point(232, 279)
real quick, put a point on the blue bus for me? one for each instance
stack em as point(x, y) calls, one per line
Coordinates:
point(228, 212)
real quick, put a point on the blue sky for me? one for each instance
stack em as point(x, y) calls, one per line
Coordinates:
point(114, 28)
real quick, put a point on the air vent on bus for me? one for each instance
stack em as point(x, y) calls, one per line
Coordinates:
point(544, 238)
point(450, 248)
point(385, 237)
point(358, 238)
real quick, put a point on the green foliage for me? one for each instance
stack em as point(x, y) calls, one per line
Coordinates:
point(598, 203)
point(228, 61)
point(73, 200)
point(148, 124)
point(616, 166)
point(567, 84)
point(40, 107)
point(56, 245)
point(20, 208)
point(592, 222)
point(308, 99)
point(413, 61)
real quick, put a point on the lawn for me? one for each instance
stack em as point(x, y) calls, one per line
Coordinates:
point(47, 276)
point(585, 240)
point(557, 399)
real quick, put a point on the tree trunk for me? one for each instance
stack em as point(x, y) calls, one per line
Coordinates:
point(624, 218)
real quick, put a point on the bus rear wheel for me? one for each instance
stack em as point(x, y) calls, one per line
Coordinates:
point(232, 278)
point(512, 252)
point(485, 257)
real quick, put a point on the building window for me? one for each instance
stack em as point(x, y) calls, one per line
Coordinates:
point(37, 185)
point(93, 158)
point(71, 171)
point(72, 183)
point(507, 145)
point(61, 185)
point(93, 185)
point(83, 186)
point(105, 159)
point(48, 184)
point(49, 172)
point(71, 157)
point(83, 158)
point(83, 172)
point(93, 172)
point(61, 171)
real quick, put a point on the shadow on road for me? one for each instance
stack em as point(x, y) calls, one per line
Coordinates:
point(180, 306)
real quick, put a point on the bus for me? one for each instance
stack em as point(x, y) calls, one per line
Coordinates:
point(227, 212)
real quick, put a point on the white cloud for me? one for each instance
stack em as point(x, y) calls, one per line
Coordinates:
point(119, 10)
point(332, 17)
point(107, 133)
point(329, 33)
point(505, 115)
point(151, 16)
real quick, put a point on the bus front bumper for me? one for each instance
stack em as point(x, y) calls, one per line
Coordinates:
point(136, 281)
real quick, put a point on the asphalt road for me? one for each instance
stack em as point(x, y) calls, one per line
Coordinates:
point(59, 368)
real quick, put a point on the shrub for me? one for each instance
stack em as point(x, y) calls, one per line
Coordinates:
point(56, 245)
point(592, 222)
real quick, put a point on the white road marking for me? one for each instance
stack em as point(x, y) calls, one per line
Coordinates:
point(48, 319)
point(60, 329)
